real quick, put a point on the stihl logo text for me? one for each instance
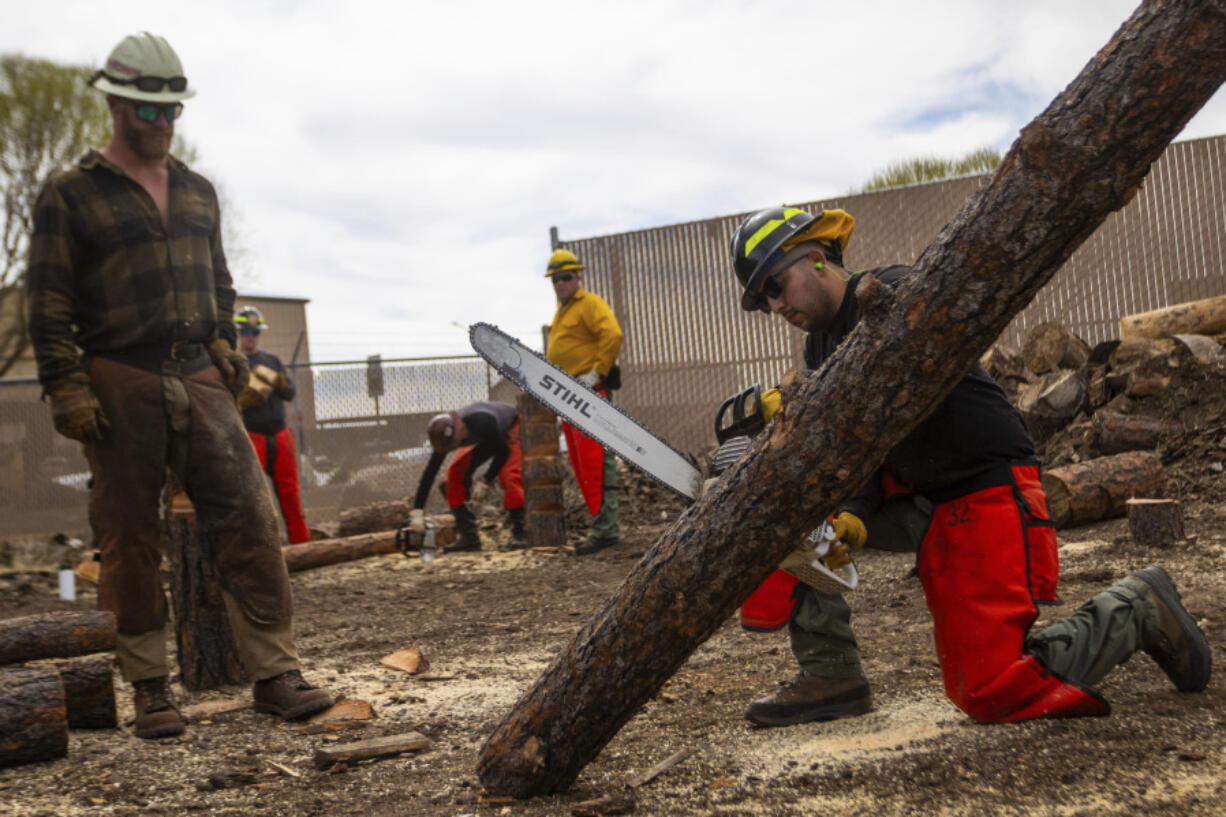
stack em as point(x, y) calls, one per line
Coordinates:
point(568, 397)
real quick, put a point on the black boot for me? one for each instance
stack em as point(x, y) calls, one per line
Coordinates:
point(519, 539)
point(466, 526)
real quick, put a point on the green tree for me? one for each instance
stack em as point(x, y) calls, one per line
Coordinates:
point(49, 117)
point(931, 169)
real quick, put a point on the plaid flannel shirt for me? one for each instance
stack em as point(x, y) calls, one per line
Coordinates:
point(106, 275)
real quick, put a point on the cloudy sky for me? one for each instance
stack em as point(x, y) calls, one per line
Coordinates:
point(400, 164)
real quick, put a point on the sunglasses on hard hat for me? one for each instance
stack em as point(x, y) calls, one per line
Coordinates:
point(149, 112)
point(563, 277)
point(148, 84)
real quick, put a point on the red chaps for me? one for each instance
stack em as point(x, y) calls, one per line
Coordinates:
point(511, 477)
point(282, 466)
point(988, 558)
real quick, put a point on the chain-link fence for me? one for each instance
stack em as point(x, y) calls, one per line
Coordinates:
point(360, 426)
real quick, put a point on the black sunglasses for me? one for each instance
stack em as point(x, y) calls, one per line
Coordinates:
point(148, 84)
point(563, 277)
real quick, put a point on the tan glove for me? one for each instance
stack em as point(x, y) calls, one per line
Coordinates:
point(280, 382)
point(851, 535)
point(76, 412)
point(232, 364)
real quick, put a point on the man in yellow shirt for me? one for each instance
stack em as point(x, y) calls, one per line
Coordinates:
point(584, 340)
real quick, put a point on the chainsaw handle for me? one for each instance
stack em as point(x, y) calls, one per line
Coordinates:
point(742, 423)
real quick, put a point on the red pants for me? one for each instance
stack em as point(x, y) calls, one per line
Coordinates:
point(511, 477)
point(284, 472)
point(587, 460)
point(987, 559)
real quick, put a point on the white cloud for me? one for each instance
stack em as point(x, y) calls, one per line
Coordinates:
point(400, 165)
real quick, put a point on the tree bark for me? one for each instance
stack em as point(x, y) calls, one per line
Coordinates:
point(1082, 159)
point(1115, 433)
point(377, 516)
point(208, 658)
point(1098, 489)
point(545, 515)
point(332, 551)
point(1155, 522)
point(1204, 317)
point(89, 693)
point(56, 635)
point(33, 717)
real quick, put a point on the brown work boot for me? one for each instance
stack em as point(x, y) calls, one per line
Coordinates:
point(1174, 641)
point(289, 696)
point(808, 698)
point(156, 716)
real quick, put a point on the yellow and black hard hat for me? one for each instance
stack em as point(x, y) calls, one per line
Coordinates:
point(562, 261)
point(250, 320)
point(765, 237)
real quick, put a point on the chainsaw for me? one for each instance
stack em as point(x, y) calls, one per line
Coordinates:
point(627, 438)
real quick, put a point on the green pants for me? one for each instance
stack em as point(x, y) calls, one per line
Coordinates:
point(604, 524)
point(1081, 649)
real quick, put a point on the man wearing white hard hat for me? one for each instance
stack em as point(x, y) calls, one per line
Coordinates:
point(131, 318)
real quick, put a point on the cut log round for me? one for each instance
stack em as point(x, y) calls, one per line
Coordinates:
point(1098, 489)
point(545, 528)
point(33, 715)
point(56, 635)
point(1051, 346)
point(1050, 403)
point(533, 411)
point(543, 471)
point(1204, 317)
point(543, 498)
point(89, 692)
point(208, 658)
point(1155, 522)
point(307, 555)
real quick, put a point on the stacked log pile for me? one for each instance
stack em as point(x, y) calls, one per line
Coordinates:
point(1114, 422)
point(41, 700)
point(544, 507)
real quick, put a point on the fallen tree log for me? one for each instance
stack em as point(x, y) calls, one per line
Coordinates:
point(1097, 489)
point(372, 518)
point(1203, 317)
point(56, 635)
point(89, 692)
point(1082, 159)
point(1115, 433)
point(33, 716)
point(332, 551)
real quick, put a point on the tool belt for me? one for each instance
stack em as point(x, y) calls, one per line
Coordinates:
point(192, 357)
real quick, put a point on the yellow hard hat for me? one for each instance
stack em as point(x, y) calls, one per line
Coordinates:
point(562, 261)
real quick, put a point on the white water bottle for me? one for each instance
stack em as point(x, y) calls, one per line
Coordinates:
point(428, 550)
point(68, 583)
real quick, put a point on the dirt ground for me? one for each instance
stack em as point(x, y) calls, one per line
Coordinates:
point(489, 623)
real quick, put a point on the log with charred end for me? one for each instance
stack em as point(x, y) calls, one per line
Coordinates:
point(1051, 402)
point(33, 715)
point(1155, 522)
point(307, 555)
point(368, 749)
point(1115, 433)
point(1098, 489)
point(56, 635)
point(1203, 317)
point(207, 655)
point(1051, 346)
point(89, 692)
point(1079, 161)
point(539, 440)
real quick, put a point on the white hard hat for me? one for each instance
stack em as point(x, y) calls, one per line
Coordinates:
point(143, 67)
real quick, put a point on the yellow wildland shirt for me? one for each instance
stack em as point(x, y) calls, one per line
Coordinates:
point(584, 335)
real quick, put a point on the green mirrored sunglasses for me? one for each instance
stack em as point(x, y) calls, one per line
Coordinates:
point(149, 112)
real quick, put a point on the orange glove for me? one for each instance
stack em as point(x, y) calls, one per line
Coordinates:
point(850, 534)
point(76, 412)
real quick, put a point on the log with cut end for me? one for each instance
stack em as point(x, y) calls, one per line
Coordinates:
point(1081, 160)
point(56, 635)
point(1115, 433)
point(1098, 489)
point(89, 692)
point(1052, 346)
point(323, 552)
point(1155, 522)
point(545, 528)
point(33, 715)
point(1203, 317)
point(1052, 402)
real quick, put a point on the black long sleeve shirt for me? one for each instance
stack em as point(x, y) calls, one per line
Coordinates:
point(973, 430)
point(487, 424)
point(269, 418)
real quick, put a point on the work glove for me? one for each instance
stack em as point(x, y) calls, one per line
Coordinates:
point(235, 370)
point(590, 379)
point(250, 398)
point(417, 521)
point(280, 382)
point(76, 412)
point(850, 534)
